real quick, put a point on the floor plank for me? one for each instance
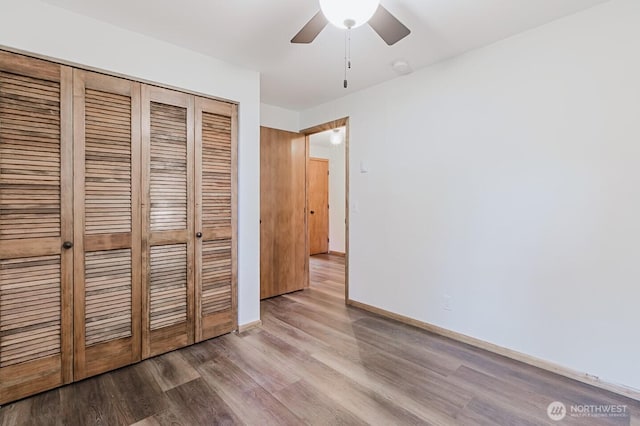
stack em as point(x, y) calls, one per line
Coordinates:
point(171, 370)
point(315, 407)
point(197, 404)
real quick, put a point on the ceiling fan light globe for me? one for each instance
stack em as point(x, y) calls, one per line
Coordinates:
point(349, 13)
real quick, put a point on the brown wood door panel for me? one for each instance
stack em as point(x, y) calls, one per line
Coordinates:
point(318, 217)
point(107, 227)
point(107, 286)
point(283, 252)
point(36, 217)
point(216, 218)
point(168, 220)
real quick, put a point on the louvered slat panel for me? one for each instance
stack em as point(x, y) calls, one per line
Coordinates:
point(108, 295)
point(216, 276)
point(168, 285)
point(168, 173)
point(107, 162)
point(29, 309)
point(29, 157)
point(216, 171)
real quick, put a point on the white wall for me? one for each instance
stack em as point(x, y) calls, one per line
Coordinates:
point(509, 179)
point(279, 118)
point(337, 185)
point(37, 27)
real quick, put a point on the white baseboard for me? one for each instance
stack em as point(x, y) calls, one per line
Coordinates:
point(249, 326)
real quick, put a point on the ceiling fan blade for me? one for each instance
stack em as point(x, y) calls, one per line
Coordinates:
point(310, 31)
point(388, 26)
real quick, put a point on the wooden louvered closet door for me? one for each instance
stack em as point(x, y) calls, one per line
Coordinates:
point(215, 195)
point(107, 329)
point(35, 220)
point(168, 213)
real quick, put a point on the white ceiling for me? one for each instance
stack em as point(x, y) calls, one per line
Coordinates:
point(255, 34)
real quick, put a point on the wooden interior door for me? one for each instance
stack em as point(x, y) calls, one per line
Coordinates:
point(107, 305)
point(318, 206)
point(36, 232)
point(283, 251)
point(216, 218)
point(168, 220)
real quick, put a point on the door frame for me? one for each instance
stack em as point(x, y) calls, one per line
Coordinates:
point(330, 125)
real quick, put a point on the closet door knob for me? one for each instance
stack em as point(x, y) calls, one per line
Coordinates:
point(199, 234)
point(67, 245)
point(312, 212)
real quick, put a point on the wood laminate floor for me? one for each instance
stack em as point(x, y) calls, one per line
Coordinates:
point(316, 361)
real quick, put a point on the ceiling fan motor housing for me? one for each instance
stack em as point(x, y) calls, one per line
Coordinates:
point(349, 23)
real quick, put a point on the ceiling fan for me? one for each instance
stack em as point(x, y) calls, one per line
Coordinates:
point(348, 14)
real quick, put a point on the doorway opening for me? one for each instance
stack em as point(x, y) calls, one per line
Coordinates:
point(327, 204)
point(285, 161)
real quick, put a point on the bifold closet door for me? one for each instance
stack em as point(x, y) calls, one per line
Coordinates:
point(168, 220)
point(215, 224)
point(107, 300)
point(36, 233)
